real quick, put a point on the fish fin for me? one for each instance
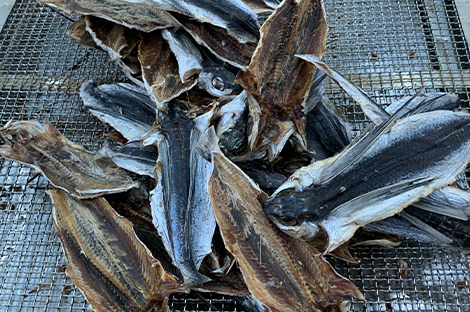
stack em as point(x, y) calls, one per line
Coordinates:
point(373, 110)
point(343, 221)
point(437, 236)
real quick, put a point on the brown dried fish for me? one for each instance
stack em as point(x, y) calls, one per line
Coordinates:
point(277, 80)
point(119, 42)
point(160, 70)
point(106, 260)
point(219, 42)
point(66, 165)
point(283, 273)
point(145, 16)
point(77, 32)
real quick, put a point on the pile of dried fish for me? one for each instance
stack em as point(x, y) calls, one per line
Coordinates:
point(229, 171)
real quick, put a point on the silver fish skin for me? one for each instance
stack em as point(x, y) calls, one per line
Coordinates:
point(403, 161)
point(181, 209)
point(126, 108)
point(448, 201)
point(134, 157)
point(186, 51)
point(434, 101)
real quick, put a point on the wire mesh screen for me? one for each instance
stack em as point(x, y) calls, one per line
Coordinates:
point(390, 48)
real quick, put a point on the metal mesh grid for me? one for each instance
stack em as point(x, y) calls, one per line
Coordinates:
point(390, 48)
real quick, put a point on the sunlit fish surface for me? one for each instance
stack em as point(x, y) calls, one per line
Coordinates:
point(394, 165)
point(276, 80)
point(181, 209)
point(134, 157)
point(106, 260)
point(126, 108)
point(66, 165)
point(284, 274)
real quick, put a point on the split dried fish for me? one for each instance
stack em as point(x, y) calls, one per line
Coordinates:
point(160, 70)
point(181, 208)
point(232, 51)
point(126, 108)
point(66, 165)
point(185, 50)
point(120, 43)
point(106, 260)
point(394, 165)
point(276, 79)
point(448, 201)
point(283, 273)
point(77, 32)
point(145, 16)
point(134, 157)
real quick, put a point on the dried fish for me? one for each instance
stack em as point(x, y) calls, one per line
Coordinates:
point(231, 126)
point(277, 80)
point(372, 110)
point(181, 209)
point(327, 124)
point(66, 165)
point(106, 260)
point(447, 201)
point(186, 51)
point(215, 78)
point(120, 43)
point(283, 273)
point(126, 108)
point(77, 32)
point(391, 167)
point(134, 157)
point(160, 70)
point(145, 16)
point(232, 51)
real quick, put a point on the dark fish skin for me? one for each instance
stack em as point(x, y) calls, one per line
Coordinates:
point(66, 165)
point(276, 78)
point(267, 178)
point(145, 16)
point(324, 122)
point(126, 108)
point(282, 273)
point(160, 70)
point(134, 157)
point(443, 137)
point(106, 260)
point(232, 51)
point(180, 209)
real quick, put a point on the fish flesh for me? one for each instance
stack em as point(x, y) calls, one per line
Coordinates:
point(232, 51)
point(66, 165)
point(145, 16)
point(181, 209)
point(160, 70)
point(127, 108)
point(185, 50)
point(77, 32)
point(120, 43)
point(276, 79)
point(282, 273)
point(134, 157)
point(394, 165)
point(106, 260)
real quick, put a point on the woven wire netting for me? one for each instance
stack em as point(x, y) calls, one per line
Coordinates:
point(391, 48)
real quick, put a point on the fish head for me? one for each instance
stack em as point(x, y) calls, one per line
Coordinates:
point(287, 209)
point(218, 81)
